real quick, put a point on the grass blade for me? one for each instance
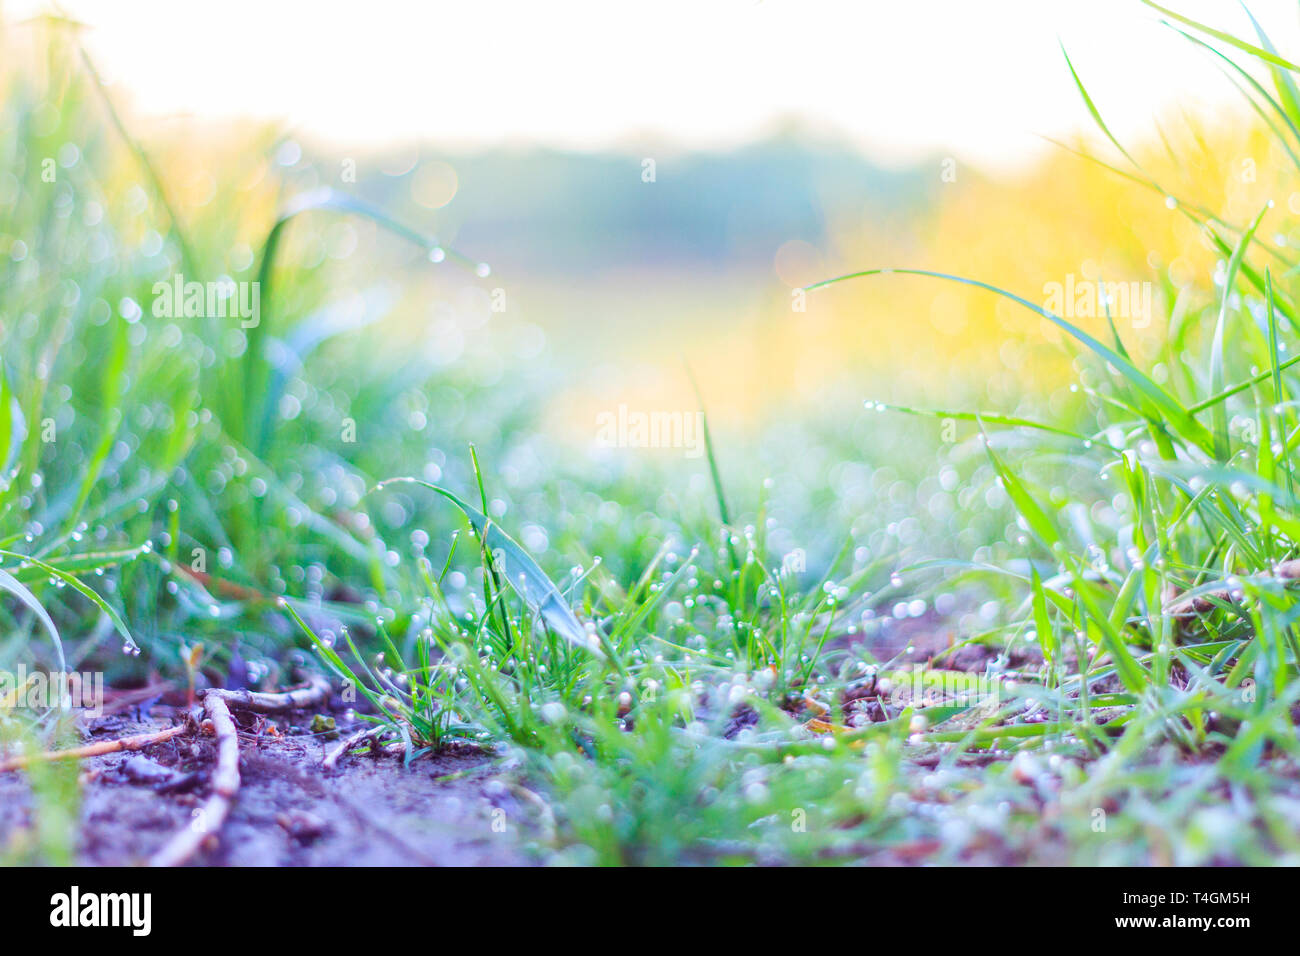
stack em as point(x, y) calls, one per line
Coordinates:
point(1219, 415)
point(89, 593)
point(1264, 55)
point(1177, 416)
point(10, 584)
point(528, 580)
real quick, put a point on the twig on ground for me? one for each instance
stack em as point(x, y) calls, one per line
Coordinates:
point(316, 691)
point(332, 757)
point(397, 748)
point(225, 784)
point(135, 742)
point(225, 779)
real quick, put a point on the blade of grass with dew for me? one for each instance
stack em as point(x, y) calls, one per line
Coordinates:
point(1240, 387)
point(991, 418)
point(522, 572)
point(11, 424)
point(714, 473)
point(1219, 413)
point(1254, 84)
point(84, 590)
point(1092, 110)
point(1044, 528)
point(1279, 392)
point(78, 563)
point(1176, 415)
point(1042, 622)
point(491, 578)
point(1270, 58)
point(1275, 363)
point(10, 584)
point(1253, 276)
point(1036, 517)
point(1286, 87)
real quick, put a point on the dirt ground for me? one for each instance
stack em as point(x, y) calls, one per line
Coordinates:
point(371, 810)
point(460, 807)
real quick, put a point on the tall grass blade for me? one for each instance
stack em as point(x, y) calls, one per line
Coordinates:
point(527, 579)
point(1219, 413)
point(17, 589)
point(1167, 406)
point(1270, 58)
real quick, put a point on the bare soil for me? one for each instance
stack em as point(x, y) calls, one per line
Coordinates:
point(458, 807)
point(371, 810)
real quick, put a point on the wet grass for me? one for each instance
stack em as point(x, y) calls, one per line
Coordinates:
point(706, 667)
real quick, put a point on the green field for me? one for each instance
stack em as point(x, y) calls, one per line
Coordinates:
point(826, 630)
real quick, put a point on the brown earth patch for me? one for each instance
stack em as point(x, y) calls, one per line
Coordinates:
point(372, 810)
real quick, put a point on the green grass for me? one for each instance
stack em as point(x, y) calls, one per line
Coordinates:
point(669, 689)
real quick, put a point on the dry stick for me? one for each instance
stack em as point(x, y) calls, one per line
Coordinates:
point(397, 748)
point(332, 758)
point(225, 779)
point(315, 691)
point(135, 742)
point(225, 784)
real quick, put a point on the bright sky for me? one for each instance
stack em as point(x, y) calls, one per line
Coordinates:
point(976, 79)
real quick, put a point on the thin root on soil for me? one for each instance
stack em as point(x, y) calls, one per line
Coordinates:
point(225, 784)
point(135, 742)
point(332, 758)
point(225, 779)
point(315, 692)
point(217, 704)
